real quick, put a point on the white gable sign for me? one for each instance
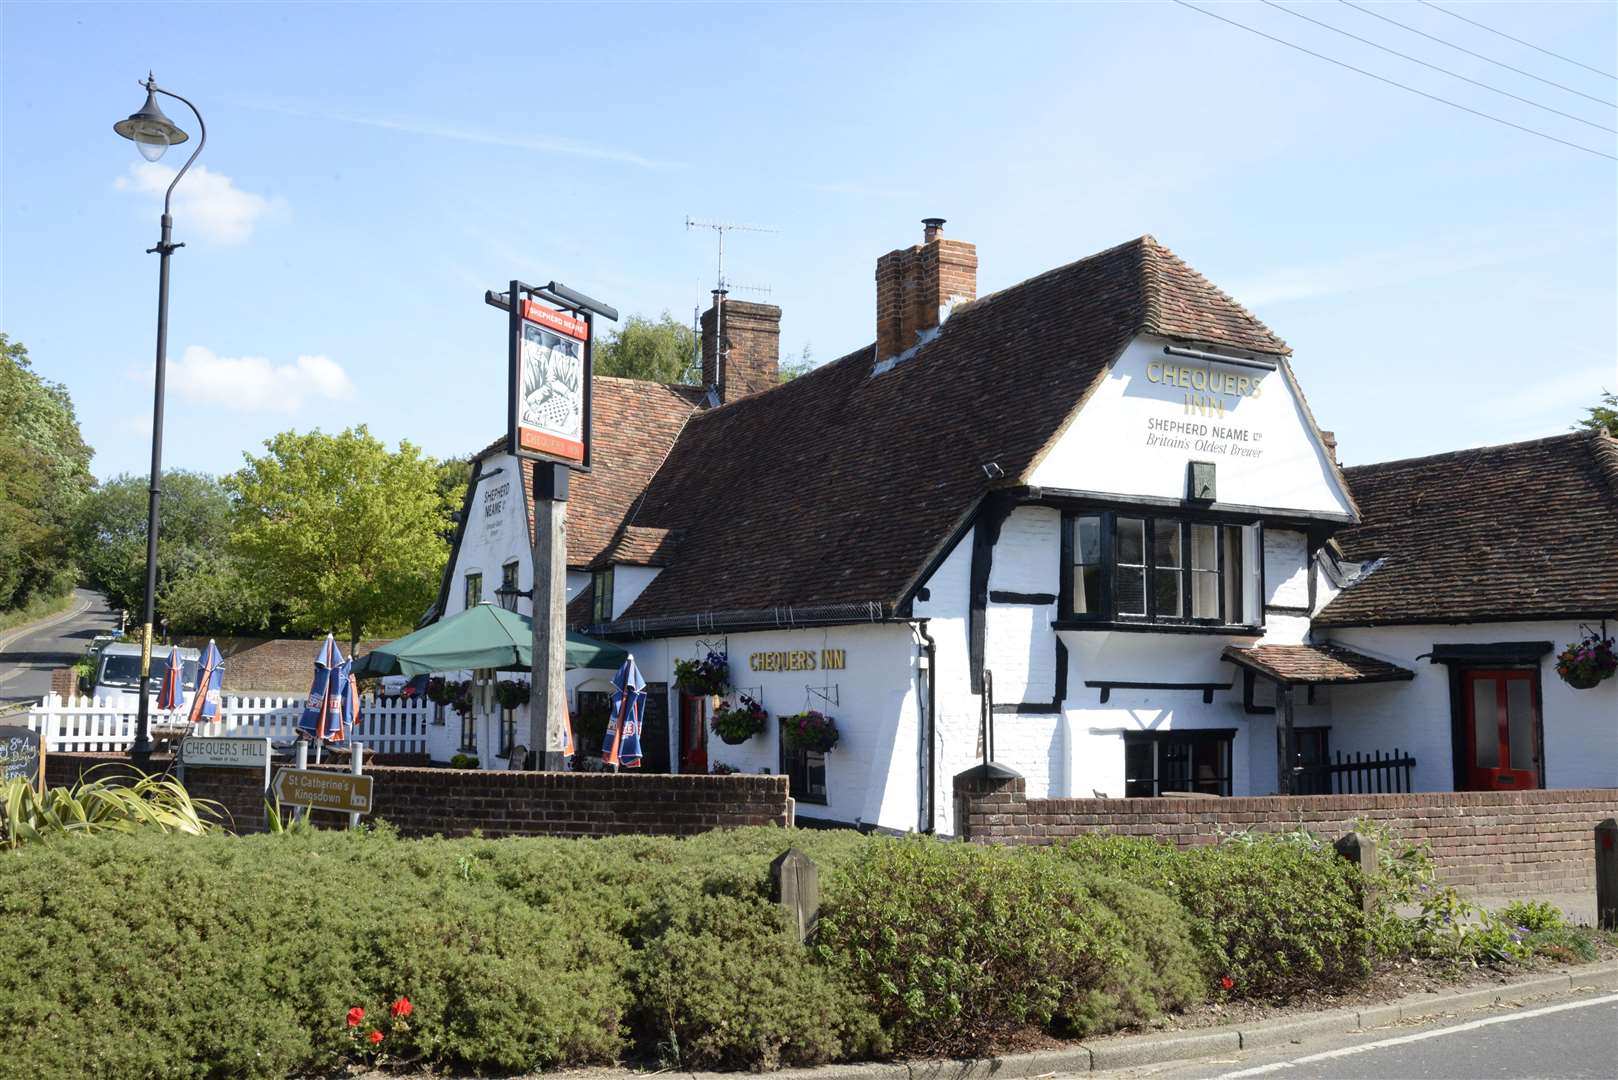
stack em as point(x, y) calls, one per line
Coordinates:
point(1154, 412)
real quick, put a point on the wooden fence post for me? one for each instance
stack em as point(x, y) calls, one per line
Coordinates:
point(1607, 874)
point(796, 882)
point(1360, 850)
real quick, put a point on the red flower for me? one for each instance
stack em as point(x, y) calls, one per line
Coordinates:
point(402, 1007)
point(355, 1015)
point(1227, 982)
point(376, 1037)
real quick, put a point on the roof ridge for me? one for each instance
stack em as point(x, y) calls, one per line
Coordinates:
point(1152, 274)
point(1568, 436)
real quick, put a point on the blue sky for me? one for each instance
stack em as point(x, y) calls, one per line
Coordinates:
point(1444, 281)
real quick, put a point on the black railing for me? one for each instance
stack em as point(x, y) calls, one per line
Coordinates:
point(1361, 774)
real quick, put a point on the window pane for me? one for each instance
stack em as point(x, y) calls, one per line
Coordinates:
point(1166, 594)
point(1203, 555)
point(1131, 539)
point(1210, 766)
point(1086, 590)
point(1520, 723)
point(1204, 594)
point(1233, 574)
point(1131, 591)
point(1166, 544)
point(1486, 724)
point(1139, 781)
point(1087, 540)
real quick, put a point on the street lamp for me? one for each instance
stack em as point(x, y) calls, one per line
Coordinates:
point(153, 133)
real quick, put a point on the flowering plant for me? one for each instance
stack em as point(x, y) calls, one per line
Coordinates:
point(737, 723)
point(1587, 662)
point(368, 1038)
point(460, 697)
point(710, 675)
point(438, 690)
point(719, 768)
point(511, 693)
point(810, 730)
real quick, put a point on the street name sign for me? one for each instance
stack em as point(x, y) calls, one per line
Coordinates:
point(228, 753)
point(320, 790)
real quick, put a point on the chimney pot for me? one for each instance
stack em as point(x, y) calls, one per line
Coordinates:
point(931, 229)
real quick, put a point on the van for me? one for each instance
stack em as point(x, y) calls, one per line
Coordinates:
point(117, 678)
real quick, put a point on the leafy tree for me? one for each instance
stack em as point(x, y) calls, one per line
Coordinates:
point(453, 474)
point(662, 351)
point(1603, 415)
point(44, 472)
point(802, 364)
point(347, 532)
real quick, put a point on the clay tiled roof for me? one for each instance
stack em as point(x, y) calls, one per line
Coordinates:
point(1315, 664)
point(639, 545)
point(839, 486)
point(1495, 534)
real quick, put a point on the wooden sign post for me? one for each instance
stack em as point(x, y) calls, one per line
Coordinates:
point(22, 756)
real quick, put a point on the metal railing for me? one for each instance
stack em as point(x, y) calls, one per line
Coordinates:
point(1360, 774)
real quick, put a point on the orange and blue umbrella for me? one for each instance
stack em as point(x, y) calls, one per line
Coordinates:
point(171, 692)
point(210, 679)
point(622, 745)
point(322, 717)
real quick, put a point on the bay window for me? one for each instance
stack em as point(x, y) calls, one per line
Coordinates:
point(1122, 567)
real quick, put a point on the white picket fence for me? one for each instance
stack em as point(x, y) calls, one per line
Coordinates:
point(387, 725)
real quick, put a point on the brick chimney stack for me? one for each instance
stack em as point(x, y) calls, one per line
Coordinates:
point(915, 287)
point(752, 353)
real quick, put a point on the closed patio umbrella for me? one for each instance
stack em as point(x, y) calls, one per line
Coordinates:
point(622, 744)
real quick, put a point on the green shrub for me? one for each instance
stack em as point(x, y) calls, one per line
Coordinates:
point(722, 985)
point(1533, 916)
point(958, 946)
point(111, 803)
point(1272, 914)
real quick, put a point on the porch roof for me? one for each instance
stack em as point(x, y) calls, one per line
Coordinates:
point(1306, 665)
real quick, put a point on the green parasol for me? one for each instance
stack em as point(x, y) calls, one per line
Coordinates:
point(484, 637)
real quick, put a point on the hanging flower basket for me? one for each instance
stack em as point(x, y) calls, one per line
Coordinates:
point(511, 694)
point(735, 724)
point(438, 690)
point(1584, 664)
point(705, 677)
point(461, 697)
point(811, 730)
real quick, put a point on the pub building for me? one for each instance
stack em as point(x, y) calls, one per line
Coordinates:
point(1090, 520)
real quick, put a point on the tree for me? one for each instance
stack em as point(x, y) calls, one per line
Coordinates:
point(802, 364)
point(44, 472)
point(453, 475)
point(1603, 415)
point(346, 532)
point(662, 351)
point(200, 588)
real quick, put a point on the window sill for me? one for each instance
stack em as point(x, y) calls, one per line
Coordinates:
point(1157, 628)
point(812, 800)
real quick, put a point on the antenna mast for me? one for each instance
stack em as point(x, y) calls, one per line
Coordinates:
point(721, 287)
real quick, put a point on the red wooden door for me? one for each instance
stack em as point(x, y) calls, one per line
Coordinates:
point(693, 734)
point(1502, 730)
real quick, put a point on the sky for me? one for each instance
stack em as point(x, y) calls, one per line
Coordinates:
point(1444, 280)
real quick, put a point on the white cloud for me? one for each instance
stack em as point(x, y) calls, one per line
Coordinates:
point(545, 144)
point(205, 199)
point(253, 384)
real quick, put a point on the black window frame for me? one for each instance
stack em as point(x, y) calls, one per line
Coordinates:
point(601, 586)
point(469, 731)
point(508, 732)
point(474, 589)
point(1107, 613)
point(508, 577)
point(800, 767)
point(1189, 738)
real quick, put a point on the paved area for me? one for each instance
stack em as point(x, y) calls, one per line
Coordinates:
point(28, 653)
point(1568, 1039)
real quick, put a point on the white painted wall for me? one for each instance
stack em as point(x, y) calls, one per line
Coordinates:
point(1286, 568)
point(956, 724)
point(1265, 453)
point(628, 582)
point(1581, 726)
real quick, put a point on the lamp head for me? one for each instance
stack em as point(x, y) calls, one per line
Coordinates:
point(149, 129)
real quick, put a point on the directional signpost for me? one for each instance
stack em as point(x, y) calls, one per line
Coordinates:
point(317, 789)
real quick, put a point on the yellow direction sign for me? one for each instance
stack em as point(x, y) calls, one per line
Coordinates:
point(321, 790)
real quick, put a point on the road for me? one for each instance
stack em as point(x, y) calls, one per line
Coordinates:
point(1560, 1039)
point(28, 653)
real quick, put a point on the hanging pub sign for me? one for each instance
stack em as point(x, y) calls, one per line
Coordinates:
point(551, 381)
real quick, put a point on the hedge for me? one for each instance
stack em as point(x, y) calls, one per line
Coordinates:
point(219, 956)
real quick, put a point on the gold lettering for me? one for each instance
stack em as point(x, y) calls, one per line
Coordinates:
point(1199, 378)
point(1241, 385)
point(1184, 378)
point(1154, 371)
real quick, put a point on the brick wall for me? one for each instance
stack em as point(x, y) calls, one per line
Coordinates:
point(425, 801)
point(913, 283)
point(1518, 842)
point(268, 665)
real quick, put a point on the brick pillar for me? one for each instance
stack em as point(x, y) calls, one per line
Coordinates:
point(991, 804)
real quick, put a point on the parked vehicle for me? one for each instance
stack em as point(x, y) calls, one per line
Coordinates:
point(117, 679)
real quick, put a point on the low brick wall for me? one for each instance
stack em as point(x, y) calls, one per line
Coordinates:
point(454, 802)
point(1508, 842)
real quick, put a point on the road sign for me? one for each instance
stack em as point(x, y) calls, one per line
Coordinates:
point(228, 753)
point(321, 790)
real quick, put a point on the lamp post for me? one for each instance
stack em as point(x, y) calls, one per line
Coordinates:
point(153, 133)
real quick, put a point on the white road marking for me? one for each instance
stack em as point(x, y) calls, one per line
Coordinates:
point(80, 607)
point(1401, 1040)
